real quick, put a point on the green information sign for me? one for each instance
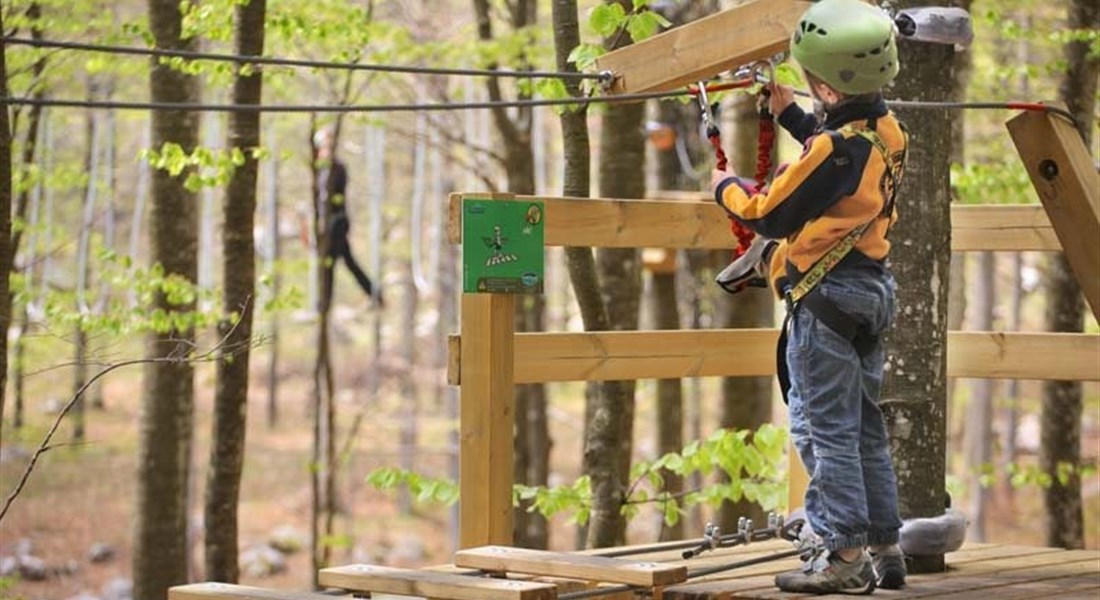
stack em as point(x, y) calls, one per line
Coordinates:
point(502, 246)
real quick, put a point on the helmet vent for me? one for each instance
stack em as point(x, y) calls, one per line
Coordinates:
point(861, 55)
point(810, 27)
point(822, 32)
point(847, 75)
point(876, 51)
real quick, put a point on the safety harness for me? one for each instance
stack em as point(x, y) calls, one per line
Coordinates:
point(805, 292)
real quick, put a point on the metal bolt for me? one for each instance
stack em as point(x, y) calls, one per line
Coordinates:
point(1048, 169)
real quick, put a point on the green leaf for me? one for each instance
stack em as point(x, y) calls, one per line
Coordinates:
point(605, 19)
point(643, 25)
point(585, 55)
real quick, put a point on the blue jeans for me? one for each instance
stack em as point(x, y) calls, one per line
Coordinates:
point(836, 424)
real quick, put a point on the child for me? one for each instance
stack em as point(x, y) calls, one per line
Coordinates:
point(831, 211)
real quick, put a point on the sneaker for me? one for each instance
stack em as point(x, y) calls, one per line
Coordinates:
point(889, 565)
point(828, 574)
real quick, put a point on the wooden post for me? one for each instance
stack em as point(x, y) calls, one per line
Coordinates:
point(701, 49)
point(797, 479)
point(486, 398)
point(1065, 177)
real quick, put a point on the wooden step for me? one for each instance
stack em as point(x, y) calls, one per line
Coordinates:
point(574, 566)
point(228, 591)
point(433, 584)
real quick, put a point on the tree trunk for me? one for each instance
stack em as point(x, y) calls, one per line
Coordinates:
point(223, 485)
point(1012, 393)
point(610, 435)
point(1060, 455)
point(914, 389)
point(670, 392)
point(93, 133)
point(160, 531)
point(274, 247)
point(606, 486)
point(979, 418)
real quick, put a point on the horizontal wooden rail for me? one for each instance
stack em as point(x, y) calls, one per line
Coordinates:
point(692, 221)
point(547, 357)
point(228, 591)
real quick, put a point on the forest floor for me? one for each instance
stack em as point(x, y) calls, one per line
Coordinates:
point(83, 494)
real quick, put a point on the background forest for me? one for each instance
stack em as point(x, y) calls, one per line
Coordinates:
point(167, 280)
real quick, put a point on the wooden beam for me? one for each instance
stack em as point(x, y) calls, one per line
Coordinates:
point(486, 402)
point(996, 355)
point(547, 357)
point(692, 221)
point(228, 591)
point(573, 566)
point(798, 479)
point(433, 584)
point(1008, 227)
point(1065, 177)
point(704, 48)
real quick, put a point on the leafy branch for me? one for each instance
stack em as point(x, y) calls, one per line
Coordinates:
point(749, 460)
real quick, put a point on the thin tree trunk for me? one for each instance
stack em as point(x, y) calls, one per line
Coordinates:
point(223, 484)
point(1060, 454)
point(274, 247)
point(610, 435)
point(979, 430)
point(606, 486)
point(914, 390)
point(160, 531)
point(80, 346)
point(666, 315)
point(409, 397)
point(1012, 393)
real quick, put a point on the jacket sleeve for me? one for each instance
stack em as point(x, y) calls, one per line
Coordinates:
point(829, 169)
point(798, 123)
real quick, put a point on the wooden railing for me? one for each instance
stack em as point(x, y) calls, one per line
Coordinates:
point(489, 357)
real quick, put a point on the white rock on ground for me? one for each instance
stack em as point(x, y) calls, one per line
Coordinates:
point(262, 561)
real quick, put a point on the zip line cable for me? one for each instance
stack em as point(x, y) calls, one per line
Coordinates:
point(363, 108)
point(377, 108)
point(294, 62)
point(604, 77)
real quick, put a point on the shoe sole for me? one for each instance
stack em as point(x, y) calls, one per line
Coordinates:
point(891, 580)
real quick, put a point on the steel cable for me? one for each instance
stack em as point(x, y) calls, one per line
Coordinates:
point(294, 62)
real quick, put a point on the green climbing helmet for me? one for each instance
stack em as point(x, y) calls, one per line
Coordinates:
point(848, 44)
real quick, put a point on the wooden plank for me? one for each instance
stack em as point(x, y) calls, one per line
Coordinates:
point(433, 584)
point(596, 356)
point(1064, 175)
point(1012, 227)
point(989, 576)
point(692, 220)
point(998, 355)
point(759, 580)
point(571, 565)
point(228, 591)
point(486, 402)
point(703, 48)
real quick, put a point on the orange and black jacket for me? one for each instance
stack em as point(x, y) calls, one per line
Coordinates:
point(839, 183)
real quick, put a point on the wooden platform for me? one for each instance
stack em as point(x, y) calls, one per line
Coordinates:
point(993, 571)
point(1001, 572)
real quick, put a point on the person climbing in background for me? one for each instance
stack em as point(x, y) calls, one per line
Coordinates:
point(332, 184)
point(822, 229)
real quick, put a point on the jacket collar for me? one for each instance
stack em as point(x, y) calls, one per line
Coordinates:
point(856, 111)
